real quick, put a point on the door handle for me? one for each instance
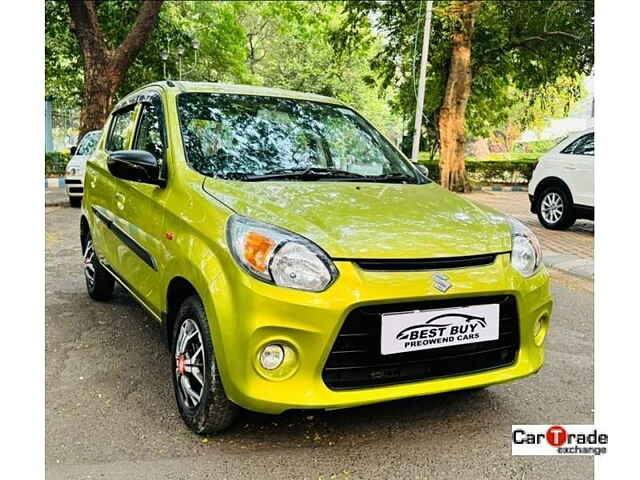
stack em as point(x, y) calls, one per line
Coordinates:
point(120, 200)
point(570, 167)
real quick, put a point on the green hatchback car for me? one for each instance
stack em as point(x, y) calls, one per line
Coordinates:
point(295, 259)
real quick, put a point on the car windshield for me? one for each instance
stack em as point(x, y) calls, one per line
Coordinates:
point(88, 143)
point(246, 137)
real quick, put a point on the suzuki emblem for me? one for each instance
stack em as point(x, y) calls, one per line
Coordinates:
point(441, 282)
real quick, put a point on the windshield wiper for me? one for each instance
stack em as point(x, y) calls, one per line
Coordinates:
point(391, 178)
point(312, 173)
point(318, 173)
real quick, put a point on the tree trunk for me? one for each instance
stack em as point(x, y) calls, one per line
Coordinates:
point(100, 86)
point(453, 175)
point(105, 69)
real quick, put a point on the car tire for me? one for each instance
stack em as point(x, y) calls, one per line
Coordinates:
point(555, 209)
point(99, 281)
point(75, 201)
point(200, 395)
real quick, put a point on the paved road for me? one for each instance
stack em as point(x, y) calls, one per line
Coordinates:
point(55, 197)
point(577, 240)
point(110, 411)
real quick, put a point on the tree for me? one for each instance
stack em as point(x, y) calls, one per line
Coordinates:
point(533, 109)
point(478, 51)
point(290, 46)
point(215, 25)
point(456, 97)
point(105, 67)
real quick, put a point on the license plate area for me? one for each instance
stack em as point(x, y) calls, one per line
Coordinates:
point(416, 330)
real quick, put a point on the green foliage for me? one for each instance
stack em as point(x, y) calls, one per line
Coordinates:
point(488, 172)
point(276, 44)
point(55, 163)
point(539, 146)
point(534, 108)
point(290, 45)
point(519, 49)
point(62, 59)
point(221, 55)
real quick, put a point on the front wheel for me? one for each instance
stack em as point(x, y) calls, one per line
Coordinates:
point(198, 388)
point(555, 209)
point(75, 201)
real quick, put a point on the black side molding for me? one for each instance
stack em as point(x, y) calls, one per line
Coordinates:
point(124, 237)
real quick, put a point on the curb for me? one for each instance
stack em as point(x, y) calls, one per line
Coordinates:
point(580, 267)
point(500, 188)
point(53, 183)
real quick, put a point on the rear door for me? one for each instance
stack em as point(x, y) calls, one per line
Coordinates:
point(141, 207)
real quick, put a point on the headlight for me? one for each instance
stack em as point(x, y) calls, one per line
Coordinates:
point(278, 256)
point(526, 254)
point(71, 171)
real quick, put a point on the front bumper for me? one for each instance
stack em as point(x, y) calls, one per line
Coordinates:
point(74, 185)
point(255, 314)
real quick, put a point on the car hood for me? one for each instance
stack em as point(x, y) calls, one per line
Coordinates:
point(370, 220)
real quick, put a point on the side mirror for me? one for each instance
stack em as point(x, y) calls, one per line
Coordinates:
point(422, 169)
point(135, 165)
point(72, 150)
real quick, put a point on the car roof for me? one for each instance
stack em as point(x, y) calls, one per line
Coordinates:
point(212, 87)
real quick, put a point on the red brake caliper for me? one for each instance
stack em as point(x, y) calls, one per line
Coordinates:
point(180, 364)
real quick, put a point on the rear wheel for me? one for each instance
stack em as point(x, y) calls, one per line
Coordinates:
point(555, 209)
point(99, 281)
point(198, 388)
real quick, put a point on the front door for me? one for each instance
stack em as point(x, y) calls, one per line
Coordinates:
point(141, 211)
point(583, 157)
point(576, 162)
point(102, 187)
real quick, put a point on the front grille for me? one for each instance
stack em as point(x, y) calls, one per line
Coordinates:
point(391, 265)
point(72, 181)
point(75, 189)
point(355, 360)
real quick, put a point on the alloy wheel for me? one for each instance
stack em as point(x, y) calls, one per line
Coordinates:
point(190, 361)
point(552, 207)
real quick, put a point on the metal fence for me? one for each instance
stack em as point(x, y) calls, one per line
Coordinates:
point(61, 126)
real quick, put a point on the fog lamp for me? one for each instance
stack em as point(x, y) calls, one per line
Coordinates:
point(271, 356)
point(540, 330)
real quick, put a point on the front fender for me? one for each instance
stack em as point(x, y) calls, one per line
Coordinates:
point(205, 268)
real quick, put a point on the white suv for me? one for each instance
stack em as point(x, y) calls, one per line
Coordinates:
point(561, 187)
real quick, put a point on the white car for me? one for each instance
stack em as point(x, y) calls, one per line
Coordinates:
point(561, 187)
point(74, 176)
